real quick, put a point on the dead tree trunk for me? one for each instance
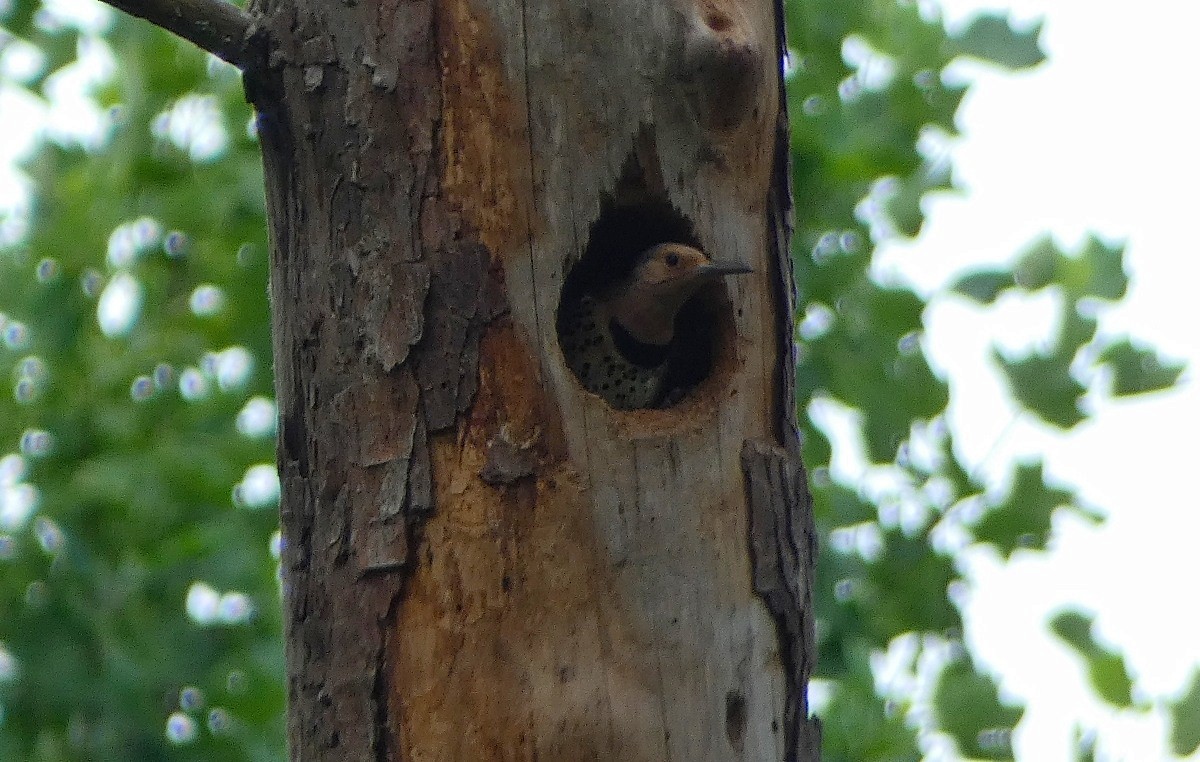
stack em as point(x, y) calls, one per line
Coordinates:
point(482, 561)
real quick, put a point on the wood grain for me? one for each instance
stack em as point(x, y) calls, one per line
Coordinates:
point(483, 561)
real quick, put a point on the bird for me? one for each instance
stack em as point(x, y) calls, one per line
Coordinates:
point(618, 342)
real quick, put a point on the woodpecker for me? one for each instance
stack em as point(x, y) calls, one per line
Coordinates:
point(619, 342)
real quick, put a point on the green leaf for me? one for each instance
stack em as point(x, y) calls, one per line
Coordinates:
point(1138, 369)
point(1106, 669)
point(904, 208)
point(992, 38)
point(859, 725)
point(870, 359)
point(904, 588)
point(18, 17)
point(1111, 679)
point(815, 449)
point(1038, 266)
point(904, 203)
point(1022, 520)
point(964, 484)
point(984, 286)
point(836, 505)
point(968, 707)
point(1185, 720)
point(1044, 385)
point(1074, 331)
point(1042, 382)
point(1085, 745)
point(1098, 270)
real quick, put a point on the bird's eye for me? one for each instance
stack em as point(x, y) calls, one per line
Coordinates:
point(672, 260)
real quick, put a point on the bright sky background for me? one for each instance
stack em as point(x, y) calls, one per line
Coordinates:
point(1104, 137)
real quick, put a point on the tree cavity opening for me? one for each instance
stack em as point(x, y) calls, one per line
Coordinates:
point(634, 219)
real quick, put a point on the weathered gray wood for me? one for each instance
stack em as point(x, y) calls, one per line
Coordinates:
point(606, 80)
point(483, 561)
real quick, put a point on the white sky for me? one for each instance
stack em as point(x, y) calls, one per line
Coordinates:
point(1104, 137)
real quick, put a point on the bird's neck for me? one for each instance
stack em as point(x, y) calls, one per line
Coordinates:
point(638, 352)
point(650, 319)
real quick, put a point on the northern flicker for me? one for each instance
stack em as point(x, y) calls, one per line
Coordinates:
point(619, 342)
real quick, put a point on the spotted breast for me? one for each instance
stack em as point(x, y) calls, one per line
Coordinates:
point(608, 361)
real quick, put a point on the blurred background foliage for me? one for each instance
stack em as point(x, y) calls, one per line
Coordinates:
point(139, 597)
point(139, 602)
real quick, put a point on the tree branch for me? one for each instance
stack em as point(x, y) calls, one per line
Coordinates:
point(218, 26)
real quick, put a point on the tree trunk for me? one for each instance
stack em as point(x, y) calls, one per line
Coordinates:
point(481, 560)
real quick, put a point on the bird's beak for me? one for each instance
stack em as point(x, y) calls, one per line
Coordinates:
point(716, 268)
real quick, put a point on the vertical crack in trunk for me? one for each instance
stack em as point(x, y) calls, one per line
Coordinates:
point(381, 684)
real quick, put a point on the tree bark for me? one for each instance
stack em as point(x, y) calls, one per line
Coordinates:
point(481, 560)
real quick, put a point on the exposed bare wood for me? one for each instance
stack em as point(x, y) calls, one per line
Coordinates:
point(218, 26)
point(482, 560)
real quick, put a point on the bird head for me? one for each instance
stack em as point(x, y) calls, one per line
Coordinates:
point(674, 267)
point(663, 278)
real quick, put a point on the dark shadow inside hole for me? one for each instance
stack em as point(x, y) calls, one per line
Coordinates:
point(627, 227)
point(619, 235)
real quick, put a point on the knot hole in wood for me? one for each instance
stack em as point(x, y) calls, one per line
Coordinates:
point(722, 68)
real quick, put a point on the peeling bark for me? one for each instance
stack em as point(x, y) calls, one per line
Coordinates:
point(481, 560)
point(783, 551)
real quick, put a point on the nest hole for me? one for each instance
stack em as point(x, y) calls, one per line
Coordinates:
point(631, 223)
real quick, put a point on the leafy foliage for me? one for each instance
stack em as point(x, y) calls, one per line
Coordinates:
point(857, 726)
point(1048, 383)
point(138, 583)
point(1022, 519)
point(969, 708)
point(1138, 369)
point(992, 38)
point(1085, 746)
point(1185, 720)
point(866, 87)
point(1106, 668)
point(135, 320)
